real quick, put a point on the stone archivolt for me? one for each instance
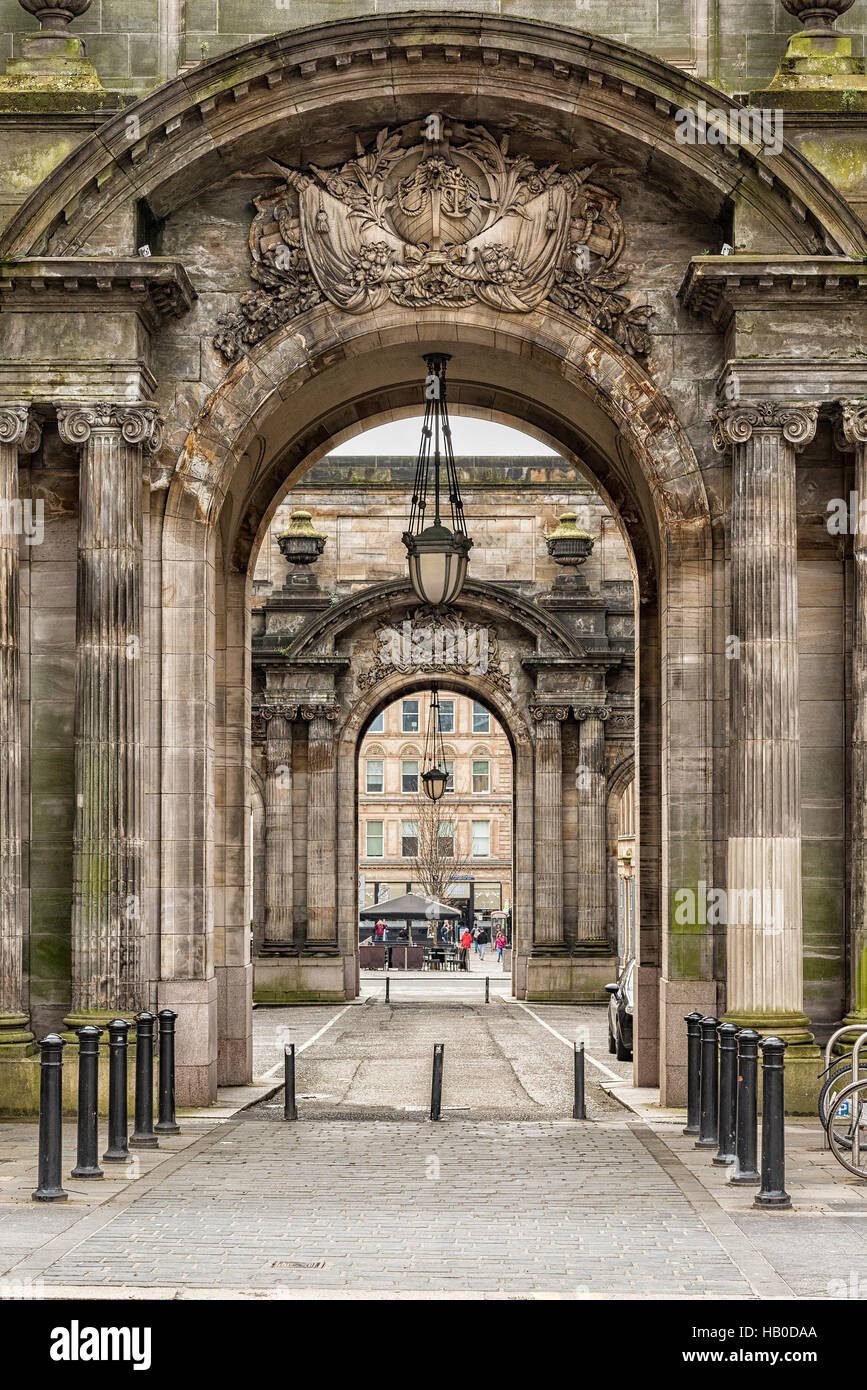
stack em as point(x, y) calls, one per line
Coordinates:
point(432, 223)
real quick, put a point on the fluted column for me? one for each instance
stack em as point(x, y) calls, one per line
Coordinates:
point(592, 830)
point(279, 878)
point(854, 431)
point(321, 826)
point(548, 828)
point(764, 936)
point(19, 433)
point(108, 965)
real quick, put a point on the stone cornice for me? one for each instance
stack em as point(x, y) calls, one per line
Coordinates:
point(155, 287)
point(736, 424)
point(717, 286)
point(18, 427)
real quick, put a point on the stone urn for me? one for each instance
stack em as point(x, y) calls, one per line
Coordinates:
point(55, 15)
point(817, 14)
point(301, 545)
point(569, 545)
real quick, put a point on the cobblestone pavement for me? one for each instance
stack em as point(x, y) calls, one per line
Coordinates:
point(506, 1196)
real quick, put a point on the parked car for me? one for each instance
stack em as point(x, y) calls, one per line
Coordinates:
point(620, 1006)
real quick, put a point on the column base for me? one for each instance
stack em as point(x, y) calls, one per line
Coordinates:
point(558, 977)
point(311, 976)
point(98, 1018)
point(804, 1061)
point(600, 947)
point(16, 1040)
point(278, 948)
point(19, 1080)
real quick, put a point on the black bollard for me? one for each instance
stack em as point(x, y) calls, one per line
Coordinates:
point(50, 1120)
point(773, 1195)
point(693, 1072)
point(143, 1136)
point(167, 1123)
point(436, 1085)
point(118, 1041)
point(387, 983)
point(727, 1034)
point(579, 1111)
point(487, 989)
point(707, 1123)
point(87, 1158)
point(290, 1109)
point(746, 1173)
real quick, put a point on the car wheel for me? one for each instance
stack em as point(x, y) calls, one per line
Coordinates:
point(612, 1046)
point(623, 1053)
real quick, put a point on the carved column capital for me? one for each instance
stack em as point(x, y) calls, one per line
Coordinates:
point(17, 426)
point(269, 713)
point(736, 424)
point(852, 424)
point(138, 422)
point(545, 713)
point(592, 712)
point(329, 712)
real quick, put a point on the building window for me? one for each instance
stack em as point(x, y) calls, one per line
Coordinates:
point(409, 775)
point(409, 839)
point(481, 839)
point(450, 775)
point(447, 716)
point(378, 725)
point(481, 719)
point(374, 839)
point(488, 897)
point(375, 775)
point(481, 775)
point(446, 840)
point(409, 716)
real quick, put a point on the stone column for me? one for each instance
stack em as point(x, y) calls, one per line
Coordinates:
point(548, 828)
point(279, 878)
point(321, 827)
point(19, 433)
point(764, 937)
point(109, 973)
point(592, 831)
point(854, 431)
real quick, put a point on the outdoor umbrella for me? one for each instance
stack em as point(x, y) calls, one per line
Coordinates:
point(409, 908)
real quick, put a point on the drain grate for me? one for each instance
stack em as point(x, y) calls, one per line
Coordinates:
point(297, 1264)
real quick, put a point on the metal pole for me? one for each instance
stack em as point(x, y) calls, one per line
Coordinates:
point(773, 1195)
point(487, 989)
point(693, 1072)
point(143, 1136)
point(436, 1088)
point(727, 1034)
point(50, 1120)
point(387, 983)
point(167, 1122)
point(290, 1109)
point(87, 1157)
point(579, 1111)
point(707, 1124)
point(746, 1173)
point(118, 1150)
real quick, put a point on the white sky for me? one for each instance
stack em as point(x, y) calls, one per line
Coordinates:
point(469, 437)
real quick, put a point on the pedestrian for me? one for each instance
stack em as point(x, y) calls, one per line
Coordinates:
point(482, 940)
point(379, 932)
point(476, 930)
point(500, 944)
point(466, 943)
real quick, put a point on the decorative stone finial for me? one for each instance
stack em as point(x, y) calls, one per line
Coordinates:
point(302, 544)
point(53, 60)
point(55, 15)
point(569, 544)
point(815, 14)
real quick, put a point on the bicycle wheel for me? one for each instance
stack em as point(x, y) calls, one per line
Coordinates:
point(837, 1079)
point(848, 1117)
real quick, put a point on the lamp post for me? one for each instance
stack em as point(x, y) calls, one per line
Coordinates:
point(437, 555)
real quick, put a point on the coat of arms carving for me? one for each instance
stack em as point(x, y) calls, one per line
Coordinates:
point(441, 221)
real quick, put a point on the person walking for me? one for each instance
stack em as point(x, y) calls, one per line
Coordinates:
point(482, 940)
point(466, 943)
point(500, 945)
point(379, 932)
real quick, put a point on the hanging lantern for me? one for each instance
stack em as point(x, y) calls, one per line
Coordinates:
point(435, 776)
point(437, 555)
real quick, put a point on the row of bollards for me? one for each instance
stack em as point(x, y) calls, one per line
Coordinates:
point(722, 1104)
point(49, 1180)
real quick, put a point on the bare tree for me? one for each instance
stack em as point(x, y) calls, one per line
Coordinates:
point(436, 865)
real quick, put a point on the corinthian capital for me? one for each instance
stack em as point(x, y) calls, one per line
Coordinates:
point(18, 427)
point(736, 424)
point(853, 422)
point(139, 422)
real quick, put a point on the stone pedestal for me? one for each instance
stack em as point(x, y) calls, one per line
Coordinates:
point(109, 970)
point(321, 933)
point(279, 854)
point(592, 840)
point(19, 433)
point(548, 830)
point(764, 936)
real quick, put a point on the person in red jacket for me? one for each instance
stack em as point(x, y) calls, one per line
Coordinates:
point(466, 943)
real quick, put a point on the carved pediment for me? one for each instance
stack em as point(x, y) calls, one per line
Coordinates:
point(434, 643)
point(441, 221)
